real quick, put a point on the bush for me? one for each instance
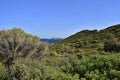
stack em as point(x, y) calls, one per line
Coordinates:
point(112, 46)
point(16, 44)
point(29, 69)
point(95, 67)
point(3, 72)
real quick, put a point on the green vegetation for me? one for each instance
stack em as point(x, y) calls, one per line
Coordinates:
point(87, 55)
point(112, 46)
point(89, 41)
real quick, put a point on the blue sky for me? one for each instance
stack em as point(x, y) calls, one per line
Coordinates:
point(58, 18)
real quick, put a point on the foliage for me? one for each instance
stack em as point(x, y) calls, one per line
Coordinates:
point(3, 72)
point(16, 44)
point(34, 70)
point(105, 67)
point(112, 46)
point(79, 57)
point(90, 39)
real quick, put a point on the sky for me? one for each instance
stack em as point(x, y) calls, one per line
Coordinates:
point(58, 18)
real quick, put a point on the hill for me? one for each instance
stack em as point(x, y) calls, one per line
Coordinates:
point(88, 41)
point(94, 36)
point(86, 34)
point(51, 41)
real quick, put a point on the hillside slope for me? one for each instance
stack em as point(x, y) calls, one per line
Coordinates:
point(86, 37)
point(89, 41)
point(86, 34)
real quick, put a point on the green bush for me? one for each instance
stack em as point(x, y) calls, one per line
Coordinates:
point(112, 46)
point(3, 72)
point(94, 67)
point(33, 70)
point(16, 44)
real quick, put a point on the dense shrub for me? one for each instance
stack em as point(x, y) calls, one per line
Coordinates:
point(28, 69)
point(96, 67)
point(3, 72)
point(112, 46)
point(16, 44)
